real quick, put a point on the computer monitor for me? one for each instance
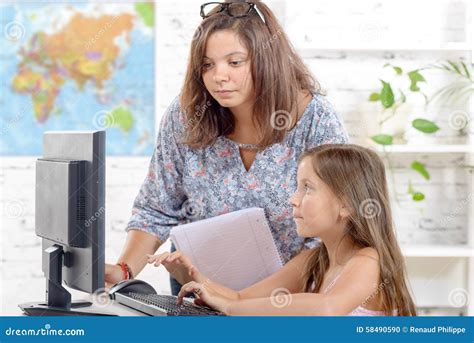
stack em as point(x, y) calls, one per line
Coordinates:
point(70, 218)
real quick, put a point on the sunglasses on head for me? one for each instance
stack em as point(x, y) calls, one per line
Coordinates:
point(232, 9)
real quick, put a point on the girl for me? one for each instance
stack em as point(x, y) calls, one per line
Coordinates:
point(357, 269)
point(247, 110)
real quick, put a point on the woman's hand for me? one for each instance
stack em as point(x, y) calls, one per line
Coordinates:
point(178, 265)
point(206, 295)
point(113, 274)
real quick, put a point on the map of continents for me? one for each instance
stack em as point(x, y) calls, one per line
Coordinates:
point(80, 66)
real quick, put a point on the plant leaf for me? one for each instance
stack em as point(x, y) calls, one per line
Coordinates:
point(415, 77)
point(466, 70)
point(397, 69)
point(420, 168)
point(455, 67)
point(418, 196)
point(403, 97)
point(424, 125)
point(374, 97)
point(447, 93)
point(462, 94)
point(458, 68)
point(382, 139)
point(386, 95)
point(410, 188)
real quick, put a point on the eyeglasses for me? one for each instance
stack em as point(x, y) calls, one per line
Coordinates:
point(233, 9)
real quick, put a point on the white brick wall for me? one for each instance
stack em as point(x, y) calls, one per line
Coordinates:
point(348, 76)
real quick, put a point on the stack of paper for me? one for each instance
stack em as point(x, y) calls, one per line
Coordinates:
point(235, 249)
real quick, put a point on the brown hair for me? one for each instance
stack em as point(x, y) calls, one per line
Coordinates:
point(356, 175)
point(278, 74)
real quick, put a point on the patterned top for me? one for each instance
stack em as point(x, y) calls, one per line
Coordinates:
point(185, 184)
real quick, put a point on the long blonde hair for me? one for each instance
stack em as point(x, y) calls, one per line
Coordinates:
point(356, 175)
point(278, 75)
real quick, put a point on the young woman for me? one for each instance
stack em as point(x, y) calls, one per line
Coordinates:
point(357, 269)
point(247, 110)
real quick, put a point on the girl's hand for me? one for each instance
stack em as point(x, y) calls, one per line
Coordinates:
point(178, 265)
point(205, 296)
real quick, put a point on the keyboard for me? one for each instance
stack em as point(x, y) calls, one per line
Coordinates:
point(163, 305)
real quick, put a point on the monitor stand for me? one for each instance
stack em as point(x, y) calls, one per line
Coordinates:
point(58, 299)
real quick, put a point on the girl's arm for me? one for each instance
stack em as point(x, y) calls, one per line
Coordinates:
point(288, 279)
point(356, 286)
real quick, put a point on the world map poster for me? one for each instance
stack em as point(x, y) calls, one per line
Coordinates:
point(77, 66)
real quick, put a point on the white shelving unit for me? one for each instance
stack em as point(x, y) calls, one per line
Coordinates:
point(428, 149)
point(417, 252)
point(307, 52)
point(438, 251)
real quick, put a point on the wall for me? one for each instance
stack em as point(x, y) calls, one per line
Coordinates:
point(348, 75)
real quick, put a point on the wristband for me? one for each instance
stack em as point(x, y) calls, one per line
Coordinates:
point(127, 274)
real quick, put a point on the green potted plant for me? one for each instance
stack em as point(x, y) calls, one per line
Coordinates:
point(391, 102)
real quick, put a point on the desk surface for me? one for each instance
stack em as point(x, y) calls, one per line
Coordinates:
point(111, 307)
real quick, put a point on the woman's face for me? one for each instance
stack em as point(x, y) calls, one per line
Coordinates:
point(316, 210)
point(226, 70)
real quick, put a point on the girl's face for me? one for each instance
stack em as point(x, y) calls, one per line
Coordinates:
point(316, 210)
point(226, 70)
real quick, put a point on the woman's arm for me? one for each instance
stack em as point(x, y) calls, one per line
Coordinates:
point(138, 244)
point(329, 128)
point(157, 207)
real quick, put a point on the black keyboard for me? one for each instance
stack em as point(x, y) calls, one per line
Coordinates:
point(163, 305)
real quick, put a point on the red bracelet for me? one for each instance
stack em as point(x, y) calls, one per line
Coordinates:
point(125, 270)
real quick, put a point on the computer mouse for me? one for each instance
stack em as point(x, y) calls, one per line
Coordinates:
point(133, 285)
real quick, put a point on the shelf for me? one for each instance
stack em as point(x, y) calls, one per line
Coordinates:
point(437, 251)
point(453, 47)
point(431, 149)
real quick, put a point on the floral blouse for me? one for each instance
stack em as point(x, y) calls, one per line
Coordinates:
point(185, 184)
